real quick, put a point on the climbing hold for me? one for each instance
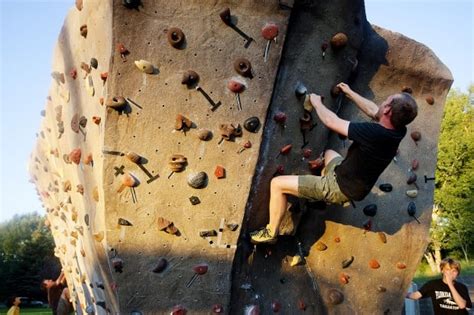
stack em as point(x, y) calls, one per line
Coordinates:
point(207, 233)
point(88, 159)
point(243, 67)
point(94, 63)
point(307, 153)
point(182, 123)
point(301, 305)
point(204, 134)
point(73, 73)
point(162, 264)
point(334, 297)
point(175, 37)
point(296, 261)
point(367, 225)
point(99, 236)
point(124, 222)
point(80, 189)
point(412, 179)
point(344, 278)
point(67, 186)
point(82, 122)
point(374, 264)
point(386, 187)
point(252, 124)
point(430, 100)
point(133, 157)
point(96, 120)
point(236, 87)
point(177, 162)
point(75, 156)
point(316, 164)
point(166, 226)
point(58, 77)
point(79, 4)
point(103, 76)
point(117, 263)
point(407, 89)
point(416, 136)
point(86, 219)
point(382, 237)
point(337, 239)
point(145, 66)
point(401, 265)
point(123, 51)
point(285, 150)
point(270, 31)
point(411, 209)
point(370, 210)
point(321, 246)
point(347, 262)
point(131, 4)
point(225, 16)
point(335, 91)
point(201, 268)
point(276, 306)
point(338, 41)
point(229, 131)
point(190, 78)
point(219, 172)
point(194, 200)
point(129, 180)
point(412, 193)
point(232, 226)
point(414, 165)
point(280, 118)
point(117, 102)
point(83, 30)
point(197, 180)
point(217, 309)
point(381, 289)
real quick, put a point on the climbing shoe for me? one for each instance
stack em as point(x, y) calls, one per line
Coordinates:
point(263, 236)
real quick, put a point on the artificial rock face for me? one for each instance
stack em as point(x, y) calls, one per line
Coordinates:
point(166, 122)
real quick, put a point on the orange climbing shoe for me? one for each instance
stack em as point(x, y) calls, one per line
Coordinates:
point(263, 236)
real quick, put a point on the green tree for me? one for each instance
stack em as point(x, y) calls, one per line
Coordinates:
point(26, 256)
point(453, 229)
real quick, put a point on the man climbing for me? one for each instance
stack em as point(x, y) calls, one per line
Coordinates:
point(351, 178)
point(448, 295)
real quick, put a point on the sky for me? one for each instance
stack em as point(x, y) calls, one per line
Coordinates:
point(29, 30)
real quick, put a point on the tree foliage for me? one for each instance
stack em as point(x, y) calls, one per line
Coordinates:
point(453, 228)
point(26, 256)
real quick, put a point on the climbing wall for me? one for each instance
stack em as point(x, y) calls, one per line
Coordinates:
point(164, 126)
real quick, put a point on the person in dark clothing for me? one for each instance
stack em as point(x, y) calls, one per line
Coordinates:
point(54, 289)
point(449, 297)
point(374, 146)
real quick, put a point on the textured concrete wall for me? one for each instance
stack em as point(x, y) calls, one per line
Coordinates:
point(114, 234)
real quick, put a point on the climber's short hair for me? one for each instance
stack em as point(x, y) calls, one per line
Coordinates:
point(404, 110)
point(450, 264)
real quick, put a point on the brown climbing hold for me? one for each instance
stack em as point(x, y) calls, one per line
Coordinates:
point(124, 222)
point(121, 49)
point(116, 102)
point(243, 67)
point(401, 265)
point(79, 4)
point(86, 68)
point(88, 160)
point(344, 278)
point(66, 158)
point(334, 297)
point(197, 180)
point(177, 162)
point(382, 237)
point(182, 123)
point(430, 100)
point(316, 164)
point(412, 179)
point(190, 78)
point(219, 172)
point(321, 246)
point(58, 77)
point(166, 226)
point(204, 134)
point(347, 262)
point(67, 186)
point(133, 157)
point(103, 76)
point(129, 180)
point(276, 306)
point(101, 101)
point(407, 89)
point(217, 309)
point(99, 236)
point(381, 289)
point(73, 73)
point(374, 264)
point(96, 120)
point(301, 305)
point(80, 189)
point(229, 131)
point(175, 37)
point(75, 156)
point(83, 30)
point(338, 41)
point(416, 136)
point(337, 239)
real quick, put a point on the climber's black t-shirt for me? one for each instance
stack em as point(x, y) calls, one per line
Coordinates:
point(373, 148)
point(443, 302)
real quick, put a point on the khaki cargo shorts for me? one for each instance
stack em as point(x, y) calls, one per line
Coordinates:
point(324, 187)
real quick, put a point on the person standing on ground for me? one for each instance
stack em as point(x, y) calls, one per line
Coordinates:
point(374, 146)
point(14, 302)
point(449, 297)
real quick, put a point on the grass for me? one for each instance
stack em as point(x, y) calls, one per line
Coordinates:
point(36, 311)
